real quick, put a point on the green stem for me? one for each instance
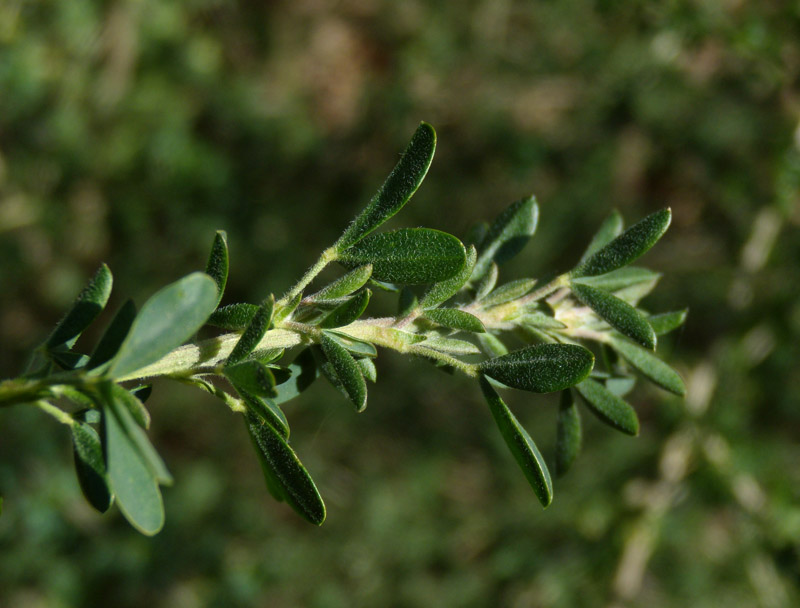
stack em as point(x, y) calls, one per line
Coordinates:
point(328, 256)
point(55, 412)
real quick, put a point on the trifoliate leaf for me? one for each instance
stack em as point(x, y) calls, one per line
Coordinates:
point(455, 319)
point(347, 312)
point(608, 231)
point(166, 320)
point(217, 266)
point(542, 368)
point(569, 434)
point(234, 317)
point(284, 470)
point(520, 444)
point(443, 291)
point(398, 188)
point(90, 466)
point(254, 331)
point(345, 285)
point(409, 256)
point(509, 291)
point(627, 247)
point(268, 411)
point(253, 377)
point(347, 371)
point(617, 313)
point(608, 407)
point(508, 234)
point(89, 303)
point(650, 366)
point(668, 321)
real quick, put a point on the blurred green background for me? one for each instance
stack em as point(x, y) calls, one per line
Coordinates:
point(131, 130)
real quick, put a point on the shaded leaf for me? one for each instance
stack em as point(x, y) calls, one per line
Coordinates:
point(345, 285)
point(268, 411)
point(617, 313)
point(347, 312)
point(285, 471)
point(90, 466)
point(621, 386)
point(234, 317)
point(540, 319)
point(520, 444)
point(620, 278)
point(668, 321)
point(114, 336)
point(608, 231)
point(444, 290)
point(608, 407)
point(166, 320)
point(304, 372)
point(284, 312)
point(569, 434)
point(368, 369)
point(133, 404)
point(508, 234)
point(357, 347)
point(487, 282)
point(650, 366)
point(217, 265)
point(492, 345)
point(347, 371)
point(89, 303)
point(509, 291)
point(398, 188)
point(254, 331)
point(409, 256)
point(455, 319)
point(542, 368)
point(407, 302)
point(253, 377)
point(627, 247)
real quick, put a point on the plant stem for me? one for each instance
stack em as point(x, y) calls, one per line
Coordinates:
point(328, 256)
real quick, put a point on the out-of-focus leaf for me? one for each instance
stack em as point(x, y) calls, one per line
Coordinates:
point(650, 366)
point(627, 247)
point(89, 303)
point(401, 184)
point(492, 345)
point(619, 314)
point(668, 321)
point(345, 285)
point(486, 282)
point(520, 444)
point(608, 407)
point(285, 470)
point(90, 466)
point(621, 386)
point(347, 371)
point(217, 265)
point(455, 319)
point(509, 291)
point(539, 319)
point(347, 312)
point(407, 302)
point(114, 335)
point(304, 372)
point(443, 291)
point(368, 369)
point(132, 403)
point(508, 234)
point(409, 256)
point(569, 434)
point(608, 231)
point(234, 317)
point(254, 331)
point(542, 368)
point(620, 278)
point(451, 346)
point(166, 320)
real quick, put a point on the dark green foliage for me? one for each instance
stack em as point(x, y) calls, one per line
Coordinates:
point(268, 411)
point(455, 319)
point(668, 321)
point(610, 229)
point(443, 291)
point(347, 371)
point(509, 291)
point(650, 366)
point(507, 235)
point(345, 285)
point(90, 303)
point(304, 372)
point(543, 368)
point(348, 311)
point(608, 407)
point(569, 434)
point(217, 265)
point(234, 317)
point(408, 256)
point(254, 331)
point(90, 465)
point(253, 377)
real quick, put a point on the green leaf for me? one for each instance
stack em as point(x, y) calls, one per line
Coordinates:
point(627, 247)
point(608, 407)
point(398, 188)
point(114, 335)
point(407, 302)
point(487, 282)
point(542, 368)
point(132, 481)
point(540, 319)
point(284, 312)
point(283, 468)
point(347, 371)
point(255, 330)
point(621, 386)
point(253, 377)
point(368, 369)
point(166, 320)
point(304, 372)
point(268, 411)
point(451, 346)
point(620, 278)
point(492, 345)
point(569, 434)
point(509, 291)
point(608, 231)
point(90, 466)
point(455, 319)
point(520, 444)
point(347, 312)
point(508, 234)
point(356, 347)
point(409, 256)
point(89, 303)
point(217, 266)
point(666, 322)
point(650, 366)
point(444, 290)
point(345, 285)
point(143, 392)
point(131, 403)
point(234, 317)
point(619, 314)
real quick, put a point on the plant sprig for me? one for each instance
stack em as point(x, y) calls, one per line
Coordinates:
point(451, 313)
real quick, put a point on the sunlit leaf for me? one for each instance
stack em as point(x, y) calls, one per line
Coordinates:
point(409, 256)
point(368, 369)
point(542, 368)
point(668, 321)
point(253, 377)
point(617, 313)
point(608, 407)
point(234, 317)
point(620, 278)
point(492, 345)
point(443, 291)
point(268, 411)
point(520, 444)
point(345, 285)
point(455, 319)
point(217, 266)
point(89, 303)
point(254, 331)
point(509, 291)
point(486, 282)
point(347, 312)
point(356, 347)
point(451, 346)
point(133, 404)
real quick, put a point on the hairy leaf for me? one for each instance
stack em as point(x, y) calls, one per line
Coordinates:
point(133, 404)
point(254, 331)
point(368, 369)
point(345, 285)
point(444, 290)
point(542, 368)
point(520, 444)
point(608, 231)
point(455, 319)
point(492, 345)
point(666, 322)
point(409, 256)
point(253, 377)
point(619, 314)
point(486, 282)
point(451, 345)
point(304, 372)
point(650, 366)
point(89, 303)
point(234, 317)
point(398, 188)
point(114, 335)
point(569, 434)
point(620, 278)
point(90, 466)
point(347, 312)
point(608, 407)
point(217, 266)
point(508, 234)
point(356, 347)
point(268, 411)
point(509, 291)
point(347, 371)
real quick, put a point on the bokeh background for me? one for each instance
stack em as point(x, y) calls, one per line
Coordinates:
point(130, 130)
